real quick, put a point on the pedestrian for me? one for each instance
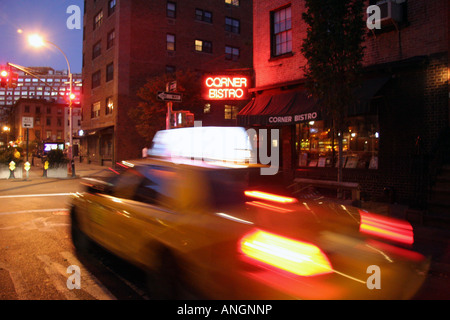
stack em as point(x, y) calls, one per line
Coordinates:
point(144, 152)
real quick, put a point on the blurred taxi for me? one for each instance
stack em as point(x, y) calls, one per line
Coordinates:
point(197, 225)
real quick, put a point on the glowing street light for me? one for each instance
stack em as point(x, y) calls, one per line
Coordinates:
point(37, 41)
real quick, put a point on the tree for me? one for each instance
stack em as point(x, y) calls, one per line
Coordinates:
point(150, 113)
point(334, 51)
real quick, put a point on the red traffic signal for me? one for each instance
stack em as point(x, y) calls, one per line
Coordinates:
point(13, 80)
point(4, 77)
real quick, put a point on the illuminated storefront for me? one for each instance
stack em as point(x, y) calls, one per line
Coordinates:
point(316, 145)
point(224, 95)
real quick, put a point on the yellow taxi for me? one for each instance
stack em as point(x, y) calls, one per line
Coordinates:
point(198, 227)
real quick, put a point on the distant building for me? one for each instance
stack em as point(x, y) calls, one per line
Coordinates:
point(50, 122)
point(127, 42)
point(42, 83)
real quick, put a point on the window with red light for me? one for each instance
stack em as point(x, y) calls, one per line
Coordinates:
point(281, 31)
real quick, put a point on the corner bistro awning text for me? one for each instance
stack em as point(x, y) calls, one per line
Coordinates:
point(294, 118)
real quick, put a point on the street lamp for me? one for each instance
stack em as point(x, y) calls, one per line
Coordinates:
point(37, 41)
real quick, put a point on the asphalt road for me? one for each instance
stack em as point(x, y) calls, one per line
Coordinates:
point(37, 258)
point(36, 253)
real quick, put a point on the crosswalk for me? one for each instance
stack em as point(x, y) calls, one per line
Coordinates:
point(59, 275)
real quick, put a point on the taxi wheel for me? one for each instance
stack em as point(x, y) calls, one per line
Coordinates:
point(165, 282)
point(79, 239)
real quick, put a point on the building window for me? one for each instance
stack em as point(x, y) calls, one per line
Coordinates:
point(97, 49)
point(109, 72)
point(111, 7)
point(315, 143)
point(232, 2)
point(170, 42)
point(232, 25)
point(207, 108)
point(37, 134)
point(170, 69)
point(59, 135)
point(203, 15)
point(110, 39)
point(231, 112)
point(203, 46)
point(231, 53)
point(48, 134)
point(27, 109)
point(171, 9)
point(37, 121)
point(96, 79)
point(48, 121)
point(95, 110)
point(49, 110)
point(98, 20)
point(281, 32)
point(109, 105)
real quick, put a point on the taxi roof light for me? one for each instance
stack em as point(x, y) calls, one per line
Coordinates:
point(231, 144)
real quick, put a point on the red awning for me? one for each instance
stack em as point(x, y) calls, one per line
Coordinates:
point(279, 109)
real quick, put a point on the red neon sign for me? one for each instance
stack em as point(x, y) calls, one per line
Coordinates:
point(226, 87)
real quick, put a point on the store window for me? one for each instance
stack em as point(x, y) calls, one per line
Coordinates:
point(316, 146)
point(230, 112)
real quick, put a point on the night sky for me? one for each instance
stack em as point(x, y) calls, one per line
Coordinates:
point(48, 18)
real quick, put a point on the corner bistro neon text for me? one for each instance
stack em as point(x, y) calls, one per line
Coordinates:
point(226, 87)
point(295, 118)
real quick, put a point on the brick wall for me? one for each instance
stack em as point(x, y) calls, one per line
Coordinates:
point(269, 71)
point(425, 33)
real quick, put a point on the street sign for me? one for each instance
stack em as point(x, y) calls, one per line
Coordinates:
point(27, 122)
point(172, 86)
point(169, 96)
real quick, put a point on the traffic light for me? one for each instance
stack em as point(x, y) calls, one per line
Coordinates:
point(4, 76)
point(13, 79)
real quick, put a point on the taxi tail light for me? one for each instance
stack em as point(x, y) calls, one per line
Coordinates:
point(294, 256)
point(269, 196)
point(387, 228)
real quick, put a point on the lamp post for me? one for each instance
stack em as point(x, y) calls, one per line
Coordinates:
point(38, 41)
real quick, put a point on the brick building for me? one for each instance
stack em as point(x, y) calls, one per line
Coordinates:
point(127, 42)
point(50, 122)
point(43, 83)
point(396, 133)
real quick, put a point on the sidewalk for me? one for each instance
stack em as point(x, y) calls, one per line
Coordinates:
point(36, 172)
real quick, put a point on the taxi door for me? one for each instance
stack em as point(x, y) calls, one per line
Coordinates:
point(103, 209)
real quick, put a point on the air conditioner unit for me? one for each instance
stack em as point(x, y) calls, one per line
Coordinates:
point(391, 12)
